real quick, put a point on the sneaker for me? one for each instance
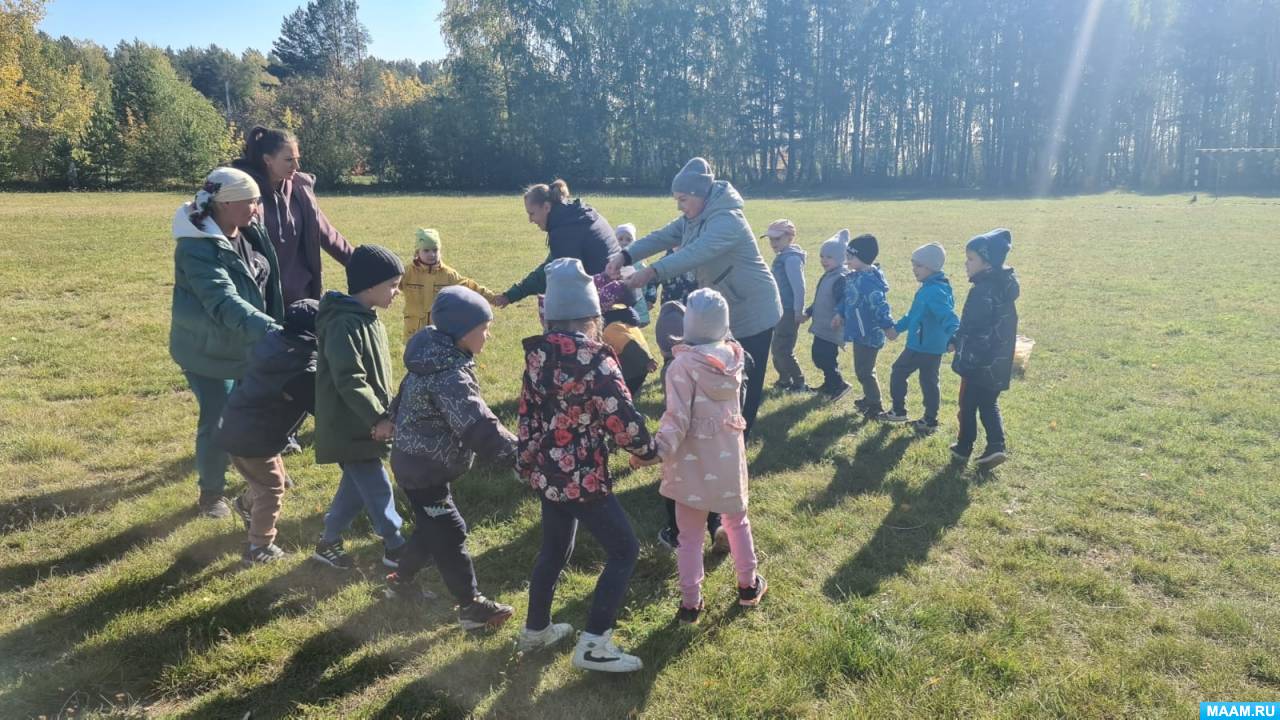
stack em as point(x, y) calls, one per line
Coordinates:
point(242, 511)
point(214, 506)
point(391, 558)
point(892, 416)
point(959, 454)
point(720, 541)
point(751, 596)
point(668, 538)
point(332, 554)
point(405, 590)
point(783, 386)
point(838, 393)
point(924, 427)
point(530, 640)
point(598, 653)
point(483, 613)
point(860, 404)
point(688, 615)
point(990, 458)
point(262, 555)
point(289, 484)
point(293, 447)
point(872, 412)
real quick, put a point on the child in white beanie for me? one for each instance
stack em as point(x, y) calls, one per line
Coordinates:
point(700, 440)
point(626, 234)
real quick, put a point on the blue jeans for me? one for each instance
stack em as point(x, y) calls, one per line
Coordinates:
point(609, 525)
point(211, 462)
point(364, 484)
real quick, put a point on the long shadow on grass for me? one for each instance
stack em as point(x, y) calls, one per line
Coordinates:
point(132, 663)
point(26, 511)
point(864, 472)
point(917, 521)
point(781, 450)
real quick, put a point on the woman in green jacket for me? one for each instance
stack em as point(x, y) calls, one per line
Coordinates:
point(226, 295)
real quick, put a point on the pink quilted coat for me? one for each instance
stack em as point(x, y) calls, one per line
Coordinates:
point(704, 461)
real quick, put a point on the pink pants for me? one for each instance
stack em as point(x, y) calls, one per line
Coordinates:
point(692, 524)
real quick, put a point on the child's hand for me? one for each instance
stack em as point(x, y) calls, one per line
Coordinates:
point(951, 347)
point(800, 317)
point(891, 333)
point(836, 323)
point(637, 463)
point(653, 365)
point(383, 431)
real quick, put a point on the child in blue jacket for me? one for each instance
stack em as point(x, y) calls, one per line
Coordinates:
point(928, 325)
point(864, 313)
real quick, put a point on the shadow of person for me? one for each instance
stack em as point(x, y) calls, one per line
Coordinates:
point(872, 460)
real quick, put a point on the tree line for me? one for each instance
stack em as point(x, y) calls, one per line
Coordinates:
point(1001, 95)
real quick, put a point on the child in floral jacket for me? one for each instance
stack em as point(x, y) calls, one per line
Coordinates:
point(573, 404)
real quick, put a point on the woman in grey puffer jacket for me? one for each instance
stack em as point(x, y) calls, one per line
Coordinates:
point(441, 423)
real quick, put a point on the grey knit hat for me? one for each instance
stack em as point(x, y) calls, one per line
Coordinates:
point(458, 310)
point(694, 178)
point(932, 256)
point(370, 265)
point(571, 293)
point(706, 317)
point(834, 246)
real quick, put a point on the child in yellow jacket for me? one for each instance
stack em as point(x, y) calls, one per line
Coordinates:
point(423, 279)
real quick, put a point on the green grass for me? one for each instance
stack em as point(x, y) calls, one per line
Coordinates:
point(1122, 564)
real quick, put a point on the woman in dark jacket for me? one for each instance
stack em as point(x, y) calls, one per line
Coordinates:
point(290, 213)
point(226, 297)
point(574, 230)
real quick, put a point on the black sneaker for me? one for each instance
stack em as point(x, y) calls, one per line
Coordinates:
point(262, 555)
point(836, 394)
point(244, 513)
point(391, 558)
point(404, 590)
point(892, 416)
point(668, 537)
point(214, 506)
point(959, 453)
point(483, 613)
point(860, 404)
point(332, 554)
point(990, 458)
point(751, 596)
point(688, 616)
point(872, 412)
point(924, 426)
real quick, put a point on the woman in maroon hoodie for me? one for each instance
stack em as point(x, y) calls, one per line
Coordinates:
point(294, 221)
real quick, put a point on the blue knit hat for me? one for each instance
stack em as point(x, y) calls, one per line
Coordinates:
point(992, 246)
point(458, 310)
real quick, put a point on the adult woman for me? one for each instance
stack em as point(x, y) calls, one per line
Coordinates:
point(715, 241)
point(574, 230)
point(297, 227)
point(226, 295)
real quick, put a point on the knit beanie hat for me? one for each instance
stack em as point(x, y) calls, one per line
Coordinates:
point(834, 247)
point(992, 246)
point(694, 178)
point(865, 248)
point(571, 292)
point(931, 256)
point(459, 310)
point(780, 228)
point(706, 317)
point(300, 317)
point(627, 228)
point(370, 265)
point(428, 239)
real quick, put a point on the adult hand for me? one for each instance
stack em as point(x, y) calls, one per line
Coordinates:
point(641, 278)
point(614, 268)
point(501, 301)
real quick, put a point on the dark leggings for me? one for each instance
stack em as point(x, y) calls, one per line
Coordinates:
point(756, 346)
point(439, 532)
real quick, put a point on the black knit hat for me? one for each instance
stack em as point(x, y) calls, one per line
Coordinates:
point(300, 317)
point(370, 265)
point(865, 248)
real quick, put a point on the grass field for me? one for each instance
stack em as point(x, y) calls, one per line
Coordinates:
point(1124, 563)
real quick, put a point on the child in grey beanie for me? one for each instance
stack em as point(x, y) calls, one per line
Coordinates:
point(571, 292)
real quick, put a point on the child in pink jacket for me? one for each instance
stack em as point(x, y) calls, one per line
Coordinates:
point(704, 463)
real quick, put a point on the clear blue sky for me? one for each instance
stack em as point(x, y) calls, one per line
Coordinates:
point(399, 28)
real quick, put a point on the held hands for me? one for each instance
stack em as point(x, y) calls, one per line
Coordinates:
point(501, 301)
point(891, 333)
point(614, 268)
point(383, 431)
point(836, 322)
point(800, 317)
point(640, 278)
point(637, 463)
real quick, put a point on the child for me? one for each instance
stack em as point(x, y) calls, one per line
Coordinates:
point(667, 331)
point(622, 333)
point(788, 273)
point(984, 345)
point(704, 463)
point(275, 394)
point(441, 424)
point(353, 391)
point(826, 338)
point(864, 313)
point(625, 235)
point(928, 325)
point(424, 278)
point(573, 405)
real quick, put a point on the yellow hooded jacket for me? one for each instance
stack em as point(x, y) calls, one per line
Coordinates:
point(420, 285)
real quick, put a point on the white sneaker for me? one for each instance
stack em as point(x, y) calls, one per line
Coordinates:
point(597, 652)
point(530, 640)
